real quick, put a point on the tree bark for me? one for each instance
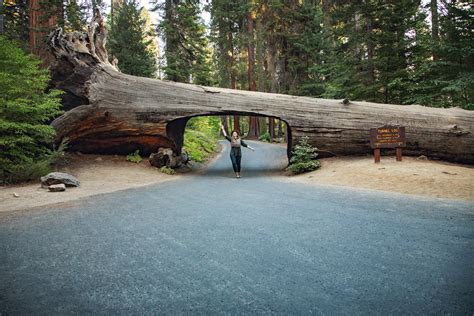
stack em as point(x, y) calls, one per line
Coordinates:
point(434, 27)
point(225, 124)
point(1, 18)
point(271, 128)
point(117, 113)
point(254, 129)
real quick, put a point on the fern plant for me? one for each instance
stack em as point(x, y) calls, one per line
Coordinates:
point(135, 157)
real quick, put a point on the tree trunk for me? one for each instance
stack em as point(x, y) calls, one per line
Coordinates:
point(43, 17)
point(254, 129)
point(225, 124)
point(118, 113)
point(434, 27)
point(1, 18)
point(237, 124)
point(233, 81)
point(326, 7)
point(271, 128)
point(280, 128)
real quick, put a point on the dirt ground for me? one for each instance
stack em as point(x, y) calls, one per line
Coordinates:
point(103, 174)
point(410, 176)
point(97, 174)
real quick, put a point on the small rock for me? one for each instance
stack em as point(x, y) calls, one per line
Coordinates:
point(422, 157)
point(98, 159)
point(57, 187)
point(346, 101)
point(450, 173)
point(60, 177)
point(16, 194)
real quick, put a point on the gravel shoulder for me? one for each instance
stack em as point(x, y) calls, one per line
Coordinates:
point(97, 174)
point(411, 176)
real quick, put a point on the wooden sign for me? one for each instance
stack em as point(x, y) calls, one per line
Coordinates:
point(387, 137)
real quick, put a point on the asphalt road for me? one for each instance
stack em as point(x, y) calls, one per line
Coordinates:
point(213, 244)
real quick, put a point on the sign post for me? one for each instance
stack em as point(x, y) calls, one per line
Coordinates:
point(387, 137)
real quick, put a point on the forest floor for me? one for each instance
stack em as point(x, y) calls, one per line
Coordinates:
point(104, 174)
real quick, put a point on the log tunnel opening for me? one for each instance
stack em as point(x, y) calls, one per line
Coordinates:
point(175, 129)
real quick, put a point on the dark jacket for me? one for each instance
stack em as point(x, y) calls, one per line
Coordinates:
point(236, 151)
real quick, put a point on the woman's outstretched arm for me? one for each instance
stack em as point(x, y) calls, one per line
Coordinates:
point(224, 132)
point(246, 145)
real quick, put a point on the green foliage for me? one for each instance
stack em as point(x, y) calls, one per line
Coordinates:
point(26, 172)
point(200, 137)
point(448, 79)
point(265, 137)
point(167, 170)
point(25, 111)
point(361, 50)
point(135, 157)
point(75, 15)
point(198, 145)
point(15, 15)
point(127, 41)
point(304, 158)
point(186, 50)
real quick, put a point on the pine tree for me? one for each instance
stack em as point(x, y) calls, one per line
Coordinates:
point(127, 41)
point(151, 38)
point(25, 111)
point(443, 74)
point(75, 16)
point(186, 46)
point(304, 158)
point(15, 21)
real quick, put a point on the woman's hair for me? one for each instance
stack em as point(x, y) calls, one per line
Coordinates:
point(235, 131)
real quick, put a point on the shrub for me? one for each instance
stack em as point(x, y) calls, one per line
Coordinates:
point(304, 158)
point(167, 170)
point(200, 137)
point(26, 107)
point(264, 137)
point(135, 157)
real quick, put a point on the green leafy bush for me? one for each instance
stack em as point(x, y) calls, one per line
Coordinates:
point(304, 158)
point(265, 137)
point(167, 170)
point(135, 157)
point(200, 137)
point(26, 107)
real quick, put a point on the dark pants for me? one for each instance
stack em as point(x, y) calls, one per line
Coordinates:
point(236, 162)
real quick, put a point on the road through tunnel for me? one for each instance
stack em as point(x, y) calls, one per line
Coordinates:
point(270, 129)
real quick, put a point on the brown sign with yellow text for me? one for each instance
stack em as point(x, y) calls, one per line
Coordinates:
point(387, 137)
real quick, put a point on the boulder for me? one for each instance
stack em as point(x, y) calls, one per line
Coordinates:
point(184, 157)
point(57, 187)
point(58, 178)
point(165, 157)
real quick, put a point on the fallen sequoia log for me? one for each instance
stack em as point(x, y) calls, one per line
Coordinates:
point(111, 112)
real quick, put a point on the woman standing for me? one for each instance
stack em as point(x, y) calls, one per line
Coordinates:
point(235, 149)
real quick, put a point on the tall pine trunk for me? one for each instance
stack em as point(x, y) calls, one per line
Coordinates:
point(434, 27)
point(254, 129)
